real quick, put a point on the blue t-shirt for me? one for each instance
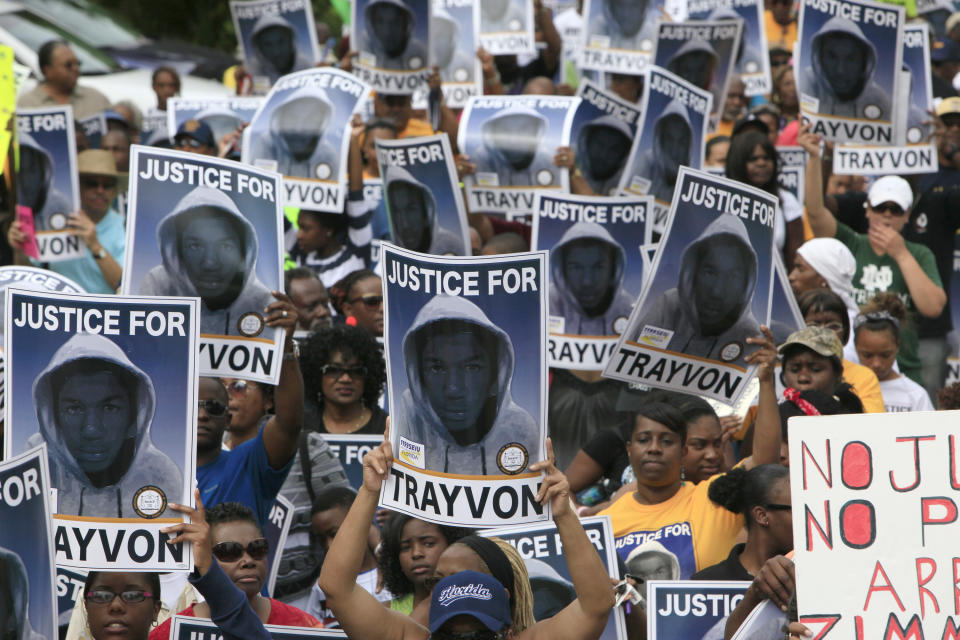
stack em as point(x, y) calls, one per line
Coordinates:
point(243, 475)
point(84, 270)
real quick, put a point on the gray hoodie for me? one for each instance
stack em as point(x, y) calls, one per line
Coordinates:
point(676, 310)
point(220, 120)
point(643, 39)
point(439, 241)
point(699, 46)
point(15, 599)
point(562, 301)
point(148, 466)
point(551, 591)
point(260, 65)
point(171, 279)
point(414, 54)
point(814, 80)
point(654, 164)
point(456, 66)
point(493, 159)
point(417, 420)
point(748, 60)
point(51, 200)
point(324, 161)
point(599, 185)
point(512, 17)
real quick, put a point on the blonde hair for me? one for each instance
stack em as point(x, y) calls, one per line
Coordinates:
point(522, 605)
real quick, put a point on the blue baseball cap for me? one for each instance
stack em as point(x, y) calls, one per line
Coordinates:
point(473, 594)
point(198, 130)
point(945, 51)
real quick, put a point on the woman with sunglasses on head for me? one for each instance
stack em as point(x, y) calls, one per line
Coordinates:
point(251, 404)
point(359, 295)
point(241, 553)
point(362, 618)
point(877, 338)
point(344, 374)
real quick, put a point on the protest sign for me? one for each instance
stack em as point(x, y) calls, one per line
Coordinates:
point(212, 228)
point(596, 272)
point(751, 62)
point(302, 131)
point(69, 587)
point(190, 628)
point(692, 609)
point(876, 495)
point(277, 37)
point(672, 133)
point(27, 572)
point(846, 82)
point(791, 180)
point(915, 151)
point(765, 621)
point(701, 52)
point(454, 38)
point(507, 27)
point(275, 531)
point(785, 316)
point(550, 581)
point(391, 39)
point(47, 180)
point(350, 450)
point(222, 115)
point(601, 135)
point(94, 127)
point(154, 127)
point(512, 140)
point(708, 291)
point(619, 37)
point(131, 363)
point(423, 197)
point(464, 342)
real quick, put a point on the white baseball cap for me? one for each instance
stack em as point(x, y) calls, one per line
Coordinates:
point(890, 189)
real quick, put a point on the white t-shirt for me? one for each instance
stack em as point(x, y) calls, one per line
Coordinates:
point(903, 394)
point(317, 604)
point(790, 210)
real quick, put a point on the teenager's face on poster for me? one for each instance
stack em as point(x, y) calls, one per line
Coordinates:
point(628, 14)
point(694, 67)
point(302, 126)
point(95, 417)
point(718, 285)
point(276, 46)
point(408, 206)
point(212, 252)
point(843, 60)
point(588, 269)
point(517, 137)
point(456, 375)
point(607, 149)
point(32, 177)
point(675, 143)
point(390, 24)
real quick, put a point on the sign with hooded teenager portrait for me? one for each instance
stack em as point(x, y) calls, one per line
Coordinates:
point(914, 151)
point(47, 180)
point(277, 38)
point(596, 272)
point(701, 52)
point(423, 197)
point(708, 291)
point(190, 628)
point(507, 27)
point(512, 140)
point(694, 609)
point(550, 581)
point(620, 35)
point(211, 228)
point(391, 38)
point(601, 135)
point(464, 341)
point(222, 115)
point(454, 38)
point(300, 132)
point(751, 61)
point(110, 385)
point(671, 135)
point(847, 82)
point(27, 569)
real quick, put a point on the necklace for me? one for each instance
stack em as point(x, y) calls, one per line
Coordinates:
point(363, 417)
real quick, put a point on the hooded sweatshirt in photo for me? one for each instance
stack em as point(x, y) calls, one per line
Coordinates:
point(262, 65)
point(404, 52)
point(661, 163)
point(47, 200)
point(435, 239)
point(517, 160)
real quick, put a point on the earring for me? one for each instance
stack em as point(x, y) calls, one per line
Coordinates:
point(683, 473)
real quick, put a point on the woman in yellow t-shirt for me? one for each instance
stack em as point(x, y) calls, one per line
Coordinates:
point(669, 528)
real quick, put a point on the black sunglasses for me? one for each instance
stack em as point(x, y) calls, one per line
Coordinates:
point(233, 551)
point(369, 299)
point(214, 408)
point(106, 596)
point(103, 183)
point(889, 207)
point(778, 507)
point(337, 371)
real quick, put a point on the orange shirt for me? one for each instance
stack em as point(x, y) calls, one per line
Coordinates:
point(416, 128)
point(777, 34)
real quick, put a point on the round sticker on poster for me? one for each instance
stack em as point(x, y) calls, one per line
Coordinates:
point(731, 351)
point(149, 501)
point(323, 171)
point(646, 45)
point(58, 221)
point(461, 75)
point(544, 177)
point(514, 25)
point(914, 135)
point(872, 111)
point(620, 324)
point(250, 324)
point(751, 67)
point(512, 458)
point(416, 62)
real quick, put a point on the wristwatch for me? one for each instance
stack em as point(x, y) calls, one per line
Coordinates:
point(294, 353)
point(100, 255)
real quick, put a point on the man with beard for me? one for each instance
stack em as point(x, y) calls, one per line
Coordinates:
point(390, 36)
point(672, 144)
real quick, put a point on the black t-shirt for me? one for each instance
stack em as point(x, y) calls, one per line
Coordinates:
point(609, 450)
point(376, 425)
point(729, 569)
point(850, 210)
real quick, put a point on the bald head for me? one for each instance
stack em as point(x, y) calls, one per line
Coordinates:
point(507, 242)
point(540, 86)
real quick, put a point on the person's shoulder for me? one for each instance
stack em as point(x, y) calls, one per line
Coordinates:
point(33, 98)
point(292, 616)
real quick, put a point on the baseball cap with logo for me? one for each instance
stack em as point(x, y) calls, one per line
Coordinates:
point(820, 340)
point(473, 594)
point(890, 189)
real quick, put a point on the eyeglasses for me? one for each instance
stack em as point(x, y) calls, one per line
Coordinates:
point(480, 634)
point(369, 299)
point(889, 207)
point(239, 388)
point(337, 371)
point(214, 408)
point(186, 141)
point(833, 326)
point(778, 507)
point(103, 183)
point(233, 551)
point(106, 596)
